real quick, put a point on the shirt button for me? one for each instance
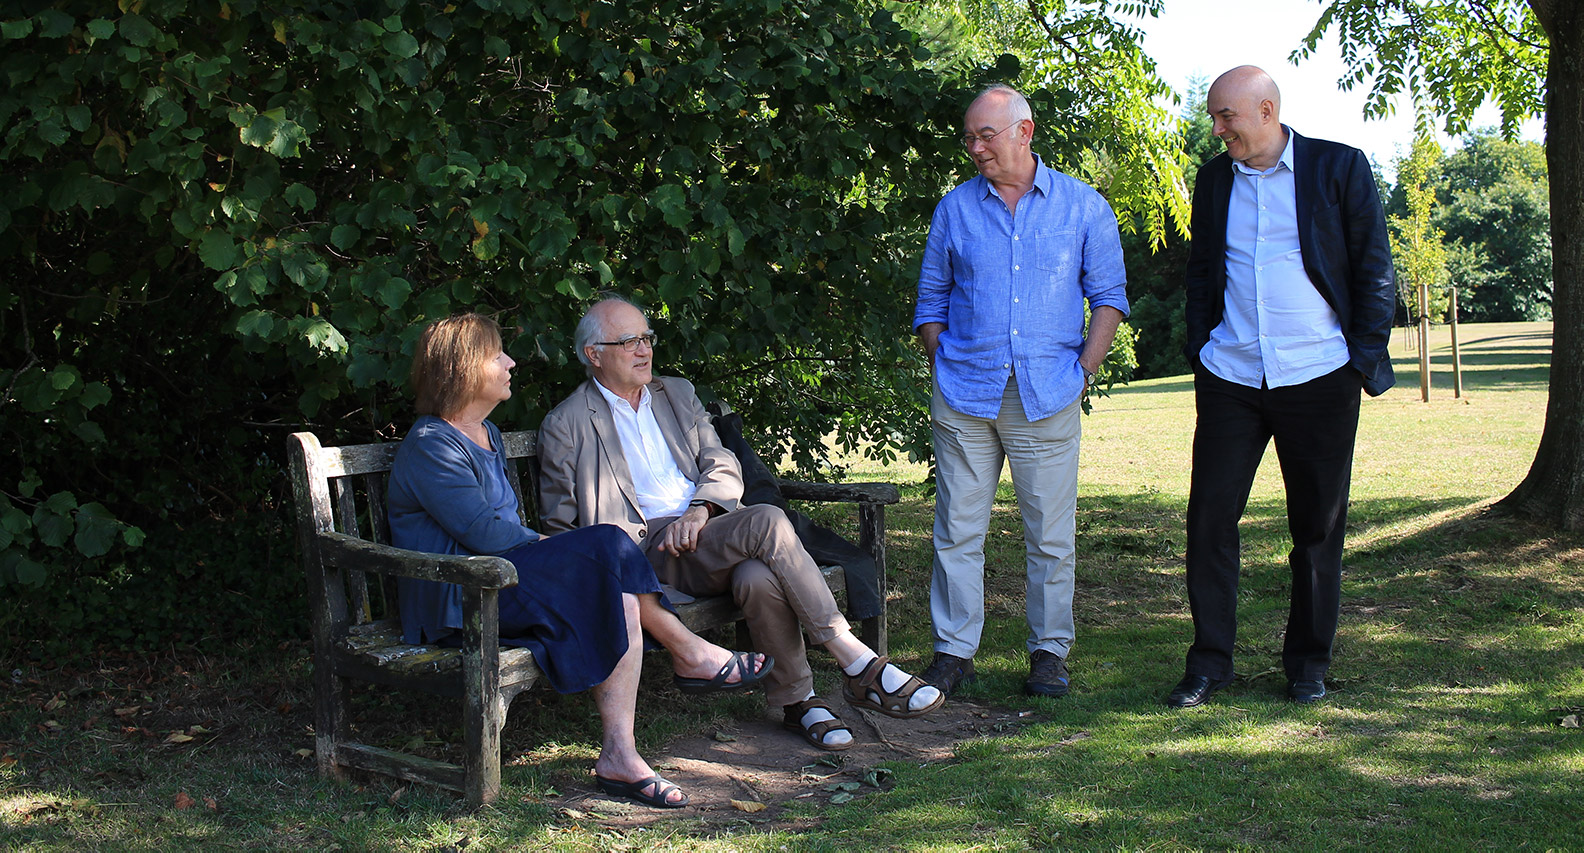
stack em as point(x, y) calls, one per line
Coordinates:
point(642, 533)
point(1008, 365)
point(1014, 331)
point(1014, 236)
point(1016, 267)
point(1015, 299)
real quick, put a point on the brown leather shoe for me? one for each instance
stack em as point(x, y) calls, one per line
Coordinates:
point(948, 672)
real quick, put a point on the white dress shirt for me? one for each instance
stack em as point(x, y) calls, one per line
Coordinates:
point(663, 490)
point(1277, 330)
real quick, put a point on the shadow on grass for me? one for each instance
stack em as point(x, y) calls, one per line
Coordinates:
point(1457, 652)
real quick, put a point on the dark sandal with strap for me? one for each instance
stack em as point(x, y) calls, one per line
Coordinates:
point(894, 703)
point(741, 662)
point(637, 791)
point(816, 732)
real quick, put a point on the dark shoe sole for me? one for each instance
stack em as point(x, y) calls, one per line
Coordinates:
point(1051, 690)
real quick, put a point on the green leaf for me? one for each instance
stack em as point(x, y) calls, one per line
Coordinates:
point(62, 378)
point(344, 237)
point(16, 29)
point(323, 336)
point(394, 292)
point(302, 197)
point(28, 572)
point(217, 250)
point(100, 28)
point(401, 44)
point(137, 30)
point(53, 530)
point(132, 535)
point(96, 530)
point(257, 324)
point(94, 394)
point(90, 432)
point(53, 23)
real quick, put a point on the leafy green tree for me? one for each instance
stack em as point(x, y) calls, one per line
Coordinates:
point(1417, 244)
point(1525, 55)
point(1155, 272)
point(1498, 224)
point(1103, 122)
point(226, 222)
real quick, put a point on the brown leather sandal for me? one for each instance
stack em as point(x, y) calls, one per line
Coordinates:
point(857, 688)
point(815, 733)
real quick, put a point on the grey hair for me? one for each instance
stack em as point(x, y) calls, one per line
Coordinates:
point(590, 329)
point(1017, 106)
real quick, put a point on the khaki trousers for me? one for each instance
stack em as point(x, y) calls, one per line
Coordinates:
point(754, 552)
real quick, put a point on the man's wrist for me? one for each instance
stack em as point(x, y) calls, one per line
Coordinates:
point(709, 508)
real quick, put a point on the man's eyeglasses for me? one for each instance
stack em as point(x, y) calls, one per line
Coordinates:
point(968, 139)
point(630, 342)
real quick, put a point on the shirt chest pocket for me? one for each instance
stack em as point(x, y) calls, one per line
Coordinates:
point(1058, 251)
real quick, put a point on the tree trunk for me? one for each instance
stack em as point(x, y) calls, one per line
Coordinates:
point(1553, 492)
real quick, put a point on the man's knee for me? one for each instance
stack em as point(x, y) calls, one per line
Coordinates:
point(753, 579)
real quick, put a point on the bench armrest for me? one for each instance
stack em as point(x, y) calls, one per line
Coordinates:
point(872, 493)
point(350, 552)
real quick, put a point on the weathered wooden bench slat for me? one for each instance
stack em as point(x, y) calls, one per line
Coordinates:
point(344, 542)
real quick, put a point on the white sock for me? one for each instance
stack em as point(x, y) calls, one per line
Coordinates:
point(833, 737)
point(891, 680)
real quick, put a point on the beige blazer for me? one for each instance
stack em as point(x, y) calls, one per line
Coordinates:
point(583, 474)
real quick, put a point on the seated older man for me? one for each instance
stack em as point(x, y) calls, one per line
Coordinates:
point(630, 449)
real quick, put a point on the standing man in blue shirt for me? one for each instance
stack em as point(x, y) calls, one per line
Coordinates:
point(1290, 299)
point(1012, 257)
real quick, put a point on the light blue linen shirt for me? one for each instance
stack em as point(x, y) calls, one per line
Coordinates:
point(1277, 329)
point(1010, 289)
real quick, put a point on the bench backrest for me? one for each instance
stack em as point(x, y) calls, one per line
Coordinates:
point(343, 489)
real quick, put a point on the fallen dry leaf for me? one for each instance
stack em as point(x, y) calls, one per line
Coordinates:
point(747, 806)
point(210, 803)
point(54, 704)
point(1571, 721)
point(723, 737)
point(183, 801)
point(1075, 737)
point(178, 737)
point(128, 710)
point(305, 753)
point(574, 814)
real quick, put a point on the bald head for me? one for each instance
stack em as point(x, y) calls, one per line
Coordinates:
point(1245, 111)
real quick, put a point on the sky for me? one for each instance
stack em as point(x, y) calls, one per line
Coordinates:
point(1206, 37)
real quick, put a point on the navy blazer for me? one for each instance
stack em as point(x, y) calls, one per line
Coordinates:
point(1342, 234)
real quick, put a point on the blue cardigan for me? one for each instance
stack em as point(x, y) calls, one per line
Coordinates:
point(448, 496)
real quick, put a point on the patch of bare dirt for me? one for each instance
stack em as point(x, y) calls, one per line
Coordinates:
point(754, 770)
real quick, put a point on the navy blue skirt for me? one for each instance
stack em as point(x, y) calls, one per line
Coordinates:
point(566, 607)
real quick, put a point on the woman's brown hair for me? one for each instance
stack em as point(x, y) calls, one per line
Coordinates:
point(448, 363)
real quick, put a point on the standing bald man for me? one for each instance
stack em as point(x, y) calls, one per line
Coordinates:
point(1290, 301)
point(1012, 257)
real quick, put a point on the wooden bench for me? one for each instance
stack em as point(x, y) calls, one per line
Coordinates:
point(344, 541)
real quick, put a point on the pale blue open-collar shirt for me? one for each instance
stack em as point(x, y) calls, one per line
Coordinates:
point(1277, 330)
point(1011, 288)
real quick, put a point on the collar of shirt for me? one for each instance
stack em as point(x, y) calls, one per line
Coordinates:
point(1286, 158)
point(1044, 180)
point(662, 489)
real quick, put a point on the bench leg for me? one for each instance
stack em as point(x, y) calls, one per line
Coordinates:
point(871, 537)
point(482, 710)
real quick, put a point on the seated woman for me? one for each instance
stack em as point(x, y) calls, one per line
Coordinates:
point(579, 595)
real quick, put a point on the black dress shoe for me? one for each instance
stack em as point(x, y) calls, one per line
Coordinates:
point(1194, 690)
point(1306, 692)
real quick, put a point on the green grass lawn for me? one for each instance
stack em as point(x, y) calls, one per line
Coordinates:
point(1459, 655)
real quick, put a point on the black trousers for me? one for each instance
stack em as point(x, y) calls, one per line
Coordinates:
point(1314, 426)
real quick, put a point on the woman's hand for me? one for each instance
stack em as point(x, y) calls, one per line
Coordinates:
point(681, 536)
